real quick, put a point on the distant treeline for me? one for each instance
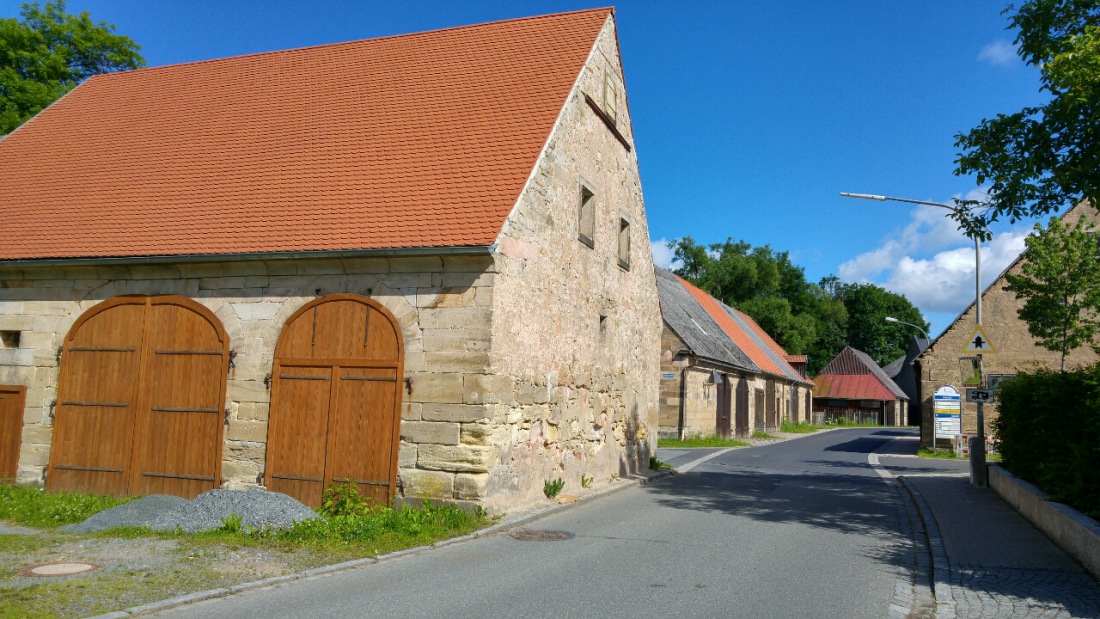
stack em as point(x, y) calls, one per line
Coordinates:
point(817, 320)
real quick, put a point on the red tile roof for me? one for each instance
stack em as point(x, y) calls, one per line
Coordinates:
point(420, 140)
point(851, 387)
point(742, 339)
point(797, 358)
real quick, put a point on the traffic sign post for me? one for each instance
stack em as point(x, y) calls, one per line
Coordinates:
point(978, 343)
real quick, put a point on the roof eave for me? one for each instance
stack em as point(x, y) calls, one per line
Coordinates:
point(399, 252)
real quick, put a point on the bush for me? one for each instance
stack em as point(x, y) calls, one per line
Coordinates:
point(1048, 433)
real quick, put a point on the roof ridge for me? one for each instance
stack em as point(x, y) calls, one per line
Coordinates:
point(609, 9)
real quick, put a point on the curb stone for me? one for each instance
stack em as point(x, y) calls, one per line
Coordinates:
point(941, 570)
point(537, 514)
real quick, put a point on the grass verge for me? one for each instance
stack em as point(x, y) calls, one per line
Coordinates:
point(700, 441)
point(759, 434)
point(140, 566)
point(949, 454)
point(34, 507)
point(802, 427)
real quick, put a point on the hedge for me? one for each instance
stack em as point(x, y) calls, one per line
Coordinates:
point(1048, 433)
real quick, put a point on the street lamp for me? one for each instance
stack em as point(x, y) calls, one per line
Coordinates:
point(977, 456)
point(902, 322)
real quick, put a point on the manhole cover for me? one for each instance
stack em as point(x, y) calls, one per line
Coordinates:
point(59, 569)
point(532, 535)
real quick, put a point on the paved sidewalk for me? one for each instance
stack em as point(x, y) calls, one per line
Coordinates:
point(997, 564)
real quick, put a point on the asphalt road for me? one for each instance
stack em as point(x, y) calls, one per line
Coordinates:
point(802, 528)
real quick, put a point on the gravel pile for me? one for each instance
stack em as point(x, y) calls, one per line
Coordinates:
point(256, 508)
point(139, 513)
point(160, 512)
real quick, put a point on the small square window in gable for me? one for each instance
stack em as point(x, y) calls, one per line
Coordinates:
point(587, 217)
point(624, 243)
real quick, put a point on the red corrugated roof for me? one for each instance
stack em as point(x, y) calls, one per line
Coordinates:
point(851, 387)
point(420, 140)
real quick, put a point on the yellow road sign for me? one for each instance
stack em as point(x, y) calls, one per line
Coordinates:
point(978, 343)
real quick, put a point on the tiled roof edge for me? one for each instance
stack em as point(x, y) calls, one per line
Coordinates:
point(609, 10)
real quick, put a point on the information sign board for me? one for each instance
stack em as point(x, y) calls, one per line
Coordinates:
point(984, 396)
point(947, 409)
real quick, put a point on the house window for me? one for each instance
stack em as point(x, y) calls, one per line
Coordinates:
point(610, 97)
point(624, 243)
point(9, 339)
point(587, 217)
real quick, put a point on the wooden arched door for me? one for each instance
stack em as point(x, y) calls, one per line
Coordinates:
point(141, 399)
point(336, 400)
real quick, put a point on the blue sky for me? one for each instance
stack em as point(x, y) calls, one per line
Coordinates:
point(750, 117)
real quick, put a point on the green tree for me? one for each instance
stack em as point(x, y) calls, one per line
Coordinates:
point(816, 320)
point(759, 281)
point(1059, 282)
point(1045, 157)
point(868, 306)
point(48, 52)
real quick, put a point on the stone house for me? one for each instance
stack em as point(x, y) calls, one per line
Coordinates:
point(904, 374)
point(721, 374)
point(417, 263)
point(854, 387)
point(943, 364)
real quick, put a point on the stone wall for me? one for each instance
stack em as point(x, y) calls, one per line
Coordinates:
point(575, 335)
point(1016, 349)
point(442, 303)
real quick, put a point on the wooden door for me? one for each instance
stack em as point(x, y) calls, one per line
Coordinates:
point(758, 416)
point(741, 415)
point(11, 429)
point(140, 399)
point(794, 404)
point(722, 413)
point(773, 406)
point(336, 400)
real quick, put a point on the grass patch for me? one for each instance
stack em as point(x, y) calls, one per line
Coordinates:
point(949, 454)
point(34, 507)
point(843, 422)
point(802, 427)
point(700, 441)
point(760, 434)
point(141, 566)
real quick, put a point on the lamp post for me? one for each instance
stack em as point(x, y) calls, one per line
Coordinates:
point(978, 471)
point(902, 322)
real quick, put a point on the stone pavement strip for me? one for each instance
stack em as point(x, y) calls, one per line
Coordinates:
point(988, 561)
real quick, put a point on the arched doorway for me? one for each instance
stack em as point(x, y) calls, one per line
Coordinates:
point(141, 399)
point(336, 400)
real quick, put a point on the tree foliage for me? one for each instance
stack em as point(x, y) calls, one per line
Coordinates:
point(47, 52)
point(818, 320)
point(1059, 282)
point(1045, 157)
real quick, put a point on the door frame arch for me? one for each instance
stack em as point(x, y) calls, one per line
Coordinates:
point(281, 360)
point(138, 409)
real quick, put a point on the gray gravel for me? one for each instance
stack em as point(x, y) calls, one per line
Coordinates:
point(139, 513)
point(257, 508)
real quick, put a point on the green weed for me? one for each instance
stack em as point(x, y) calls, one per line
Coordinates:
point(586, 482)
point(552, 488)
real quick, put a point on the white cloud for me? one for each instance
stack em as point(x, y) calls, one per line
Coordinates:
point(662, 254)
point(1000, 53)
point(932, 263)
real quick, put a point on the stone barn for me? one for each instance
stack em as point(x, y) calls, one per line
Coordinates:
point(941, 363)
point(418, 263)
point(721, 374)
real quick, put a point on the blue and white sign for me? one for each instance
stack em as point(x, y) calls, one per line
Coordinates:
point(947, 409)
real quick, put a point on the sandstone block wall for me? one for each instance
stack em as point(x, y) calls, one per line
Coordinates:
point(442, 304)
point(576, 333)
